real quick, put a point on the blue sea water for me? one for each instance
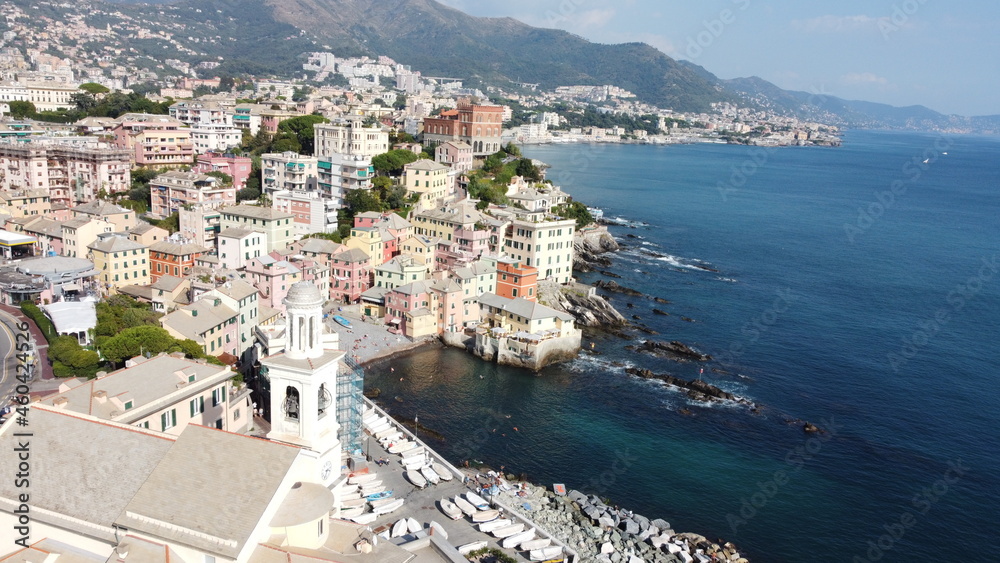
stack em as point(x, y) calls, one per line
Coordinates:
point(856, 288)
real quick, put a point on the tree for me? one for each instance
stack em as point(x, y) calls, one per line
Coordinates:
point(136, 341)
point(226, 179)
point(400, 102)
point(392, 162)
point(575, 210)
point(94, 88)
point(20, 109)
point(302, 128)
point(361, 201)
point(512, 149)
point(248, 193)
point(528, 170)
point(285, 142)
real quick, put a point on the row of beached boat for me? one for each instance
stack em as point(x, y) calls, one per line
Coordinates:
point(510, 534)
point(363, 491)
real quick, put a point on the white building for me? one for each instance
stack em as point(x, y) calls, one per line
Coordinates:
point(288, 171)
point(349, 136)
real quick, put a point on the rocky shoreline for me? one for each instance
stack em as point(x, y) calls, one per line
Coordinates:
point(609, 534)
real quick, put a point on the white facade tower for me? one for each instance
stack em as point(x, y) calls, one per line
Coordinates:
point(304, 383)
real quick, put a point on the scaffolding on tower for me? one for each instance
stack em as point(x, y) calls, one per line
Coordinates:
point(350, 404)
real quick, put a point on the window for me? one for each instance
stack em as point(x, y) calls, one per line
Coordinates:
point(168, 420)
point(128, 405)
point(197, 405)
point(218, 396)
point(236, 414)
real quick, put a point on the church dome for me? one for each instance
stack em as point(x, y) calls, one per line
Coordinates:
point(304, 294)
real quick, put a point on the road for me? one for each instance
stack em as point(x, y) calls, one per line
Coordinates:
point(8, 369)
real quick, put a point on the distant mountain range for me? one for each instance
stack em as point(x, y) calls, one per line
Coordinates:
point(442, 41)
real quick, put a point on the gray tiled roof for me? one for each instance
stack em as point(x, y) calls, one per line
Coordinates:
point(146, 385)
point(116, 244)
point(522, 307)
point(117, 459)
point(194, 494)
point(255, 212)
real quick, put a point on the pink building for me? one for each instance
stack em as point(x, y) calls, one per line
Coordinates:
point(456, 154)
point(236, 166)
point(273, 278)
point(172, 190)
point(424, 308)
point(467, 246)
point(351, 275)
point(154, 140)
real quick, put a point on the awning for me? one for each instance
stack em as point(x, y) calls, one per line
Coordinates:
point(72, 287)
point(394, 321)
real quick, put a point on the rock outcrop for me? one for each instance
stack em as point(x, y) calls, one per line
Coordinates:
point(589, 245)
point(673, 348)
point(609, 534)
point(697, 389)
point(588, 308)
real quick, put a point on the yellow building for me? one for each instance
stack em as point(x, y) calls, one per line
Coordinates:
point(26, 203)
point(430, 181)
point(369, 241)
point(120, 262)
point(79, 233)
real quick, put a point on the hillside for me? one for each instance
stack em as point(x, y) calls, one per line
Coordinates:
point(422, 33)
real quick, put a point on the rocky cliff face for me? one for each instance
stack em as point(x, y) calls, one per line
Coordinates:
point(588, 308)
point(589, 246)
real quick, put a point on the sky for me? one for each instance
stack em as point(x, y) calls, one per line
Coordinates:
point(943, 55)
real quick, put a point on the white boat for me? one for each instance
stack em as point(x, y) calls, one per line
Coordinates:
point(450, 510)
point(508, 531)
point(413, 526)
point(545, 553)
point(398, 529)
point(517, 539)
point(535, 544)
point(487, 527)
point(362, 479)
point(387, 508)
point(442, 471)
point(366, 518)
point(416, 478)
point(470, 547)
point(476, 500)
point(414, 452)
point(465, 506)
point(415, 462)
point(380, 427)
point(429, 474)
point(373, 490)
point(391, 433)
point(353, 512)
point(353, 502)
point(367, 487)
point(352, 495)
point(485, 516)
point(381, 502)
point(402, 447)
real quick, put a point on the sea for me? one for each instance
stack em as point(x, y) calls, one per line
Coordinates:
point(855, 288)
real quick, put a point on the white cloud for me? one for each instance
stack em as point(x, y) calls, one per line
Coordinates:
point(864, 78)
point(836, 24)
point(592, 18)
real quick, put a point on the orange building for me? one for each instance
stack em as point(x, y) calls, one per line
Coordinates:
point(479, 126)
point(173, 258)
point(516, 280)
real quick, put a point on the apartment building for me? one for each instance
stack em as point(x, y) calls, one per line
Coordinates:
point(170, 191)
point(156, 141)
point(71, 173)
point(349, 136)
point(428, 180)
point(476, 125)
point(276, 225)
point(312, 212)
point(287, 171)
point(119, 262)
